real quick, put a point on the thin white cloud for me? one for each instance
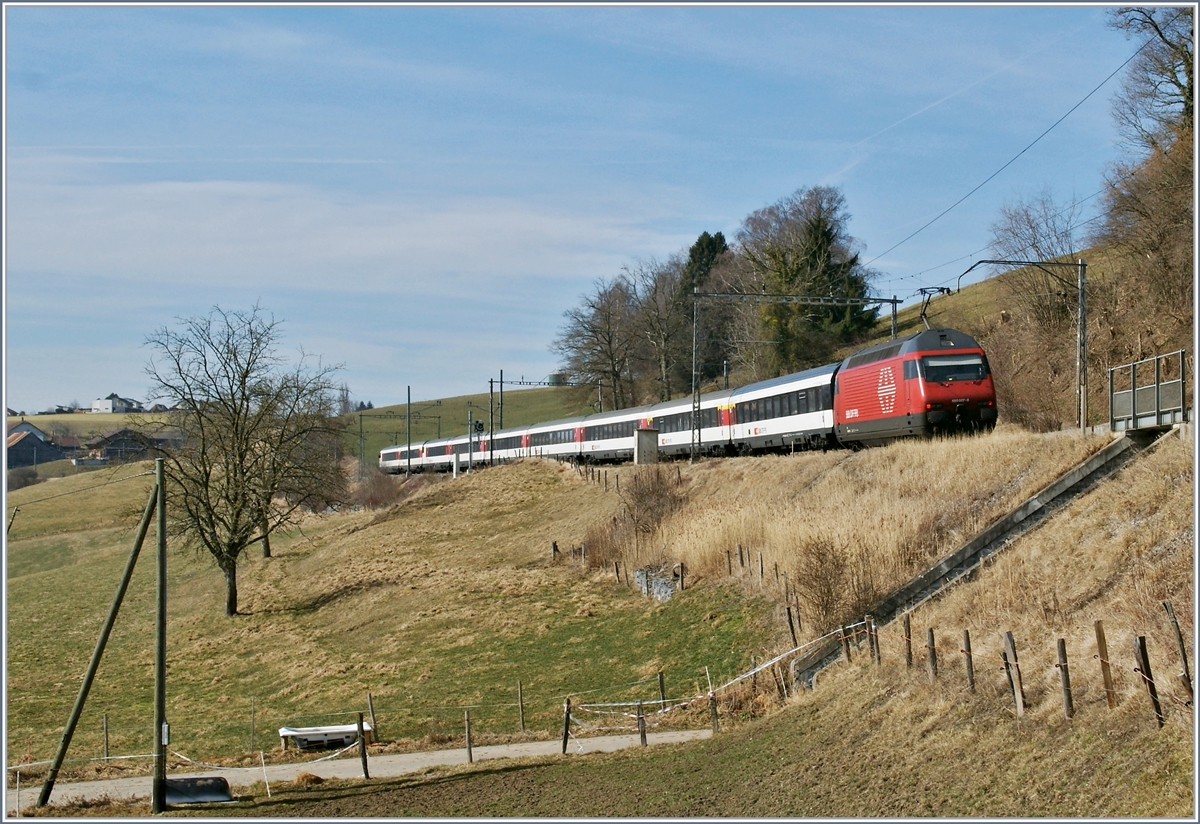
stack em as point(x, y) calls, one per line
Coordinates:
point(276, 235)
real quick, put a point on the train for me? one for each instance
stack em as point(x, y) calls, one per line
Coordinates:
point(933, 382)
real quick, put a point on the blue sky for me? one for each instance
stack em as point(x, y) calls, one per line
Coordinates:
point(419, 193)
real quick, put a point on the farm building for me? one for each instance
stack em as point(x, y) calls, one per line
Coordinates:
point(27, 449)
point(26, 426)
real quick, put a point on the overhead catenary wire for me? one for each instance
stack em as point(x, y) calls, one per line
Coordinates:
point(972, 255)
point(1012, 160)
point(84, 489)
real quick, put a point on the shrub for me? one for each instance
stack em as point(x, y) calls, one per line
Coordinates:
point(22, 476)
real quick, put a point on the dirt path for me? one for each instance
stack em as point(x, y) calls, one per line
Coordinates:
point(347, 766)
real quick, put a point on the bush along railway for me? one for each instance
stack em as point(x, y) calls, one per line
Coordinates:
point(933, 382)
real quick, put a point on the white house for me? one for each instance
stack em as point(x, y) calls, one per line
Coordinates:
point(115, 403)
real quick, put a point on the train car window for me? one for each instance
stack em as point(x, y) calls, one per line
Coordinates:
point(946, 368)
point(826, 399)
point(910, 369)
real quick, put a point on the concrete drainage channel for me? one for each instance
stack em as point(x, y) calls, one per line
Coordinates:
point(962, 562)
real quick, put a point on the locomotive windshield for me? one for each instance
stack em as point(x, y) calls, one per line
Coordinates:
point(944, 368)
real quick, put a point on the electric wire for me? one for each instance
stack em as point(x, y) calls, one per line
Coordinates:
point(1035, 141)
point(84, 489)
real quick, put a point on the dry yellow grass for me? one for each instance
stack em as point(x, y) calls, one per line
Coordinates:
point(888, 512)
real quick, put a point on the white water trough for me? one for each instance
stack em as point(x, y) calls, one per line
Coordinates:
point(332, 735)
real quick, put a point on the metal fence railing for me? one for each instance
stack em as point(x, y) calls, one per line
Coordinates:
point(1148, 393)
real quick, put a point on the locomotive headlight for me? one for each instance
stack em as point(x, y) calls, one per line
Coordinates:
point(929, 406)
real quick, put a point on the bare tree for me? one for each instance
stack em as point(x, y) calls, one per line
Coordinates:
point(598, 339)
point(1150, 211)
point(256, 436)
point(1156, 97)
point(1038, 228)
point(1150, 214)
point(663, 319)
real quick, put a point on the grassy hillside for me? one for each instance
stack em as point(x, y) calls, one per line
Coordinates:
point(367, 600)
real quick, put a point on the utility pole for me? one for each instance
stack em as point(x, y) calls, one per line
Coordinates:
point(1080, 266)
point(408, 429)
point(1081, 381)
point(491, 423)
point(158, 795)
point(362, 459)
point(695, 377)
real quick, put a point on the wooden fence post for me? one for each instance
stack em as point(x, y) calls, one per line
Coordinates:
point(467, 723)
point(760, 569)
point(521, 705)
point(553, 550)
point(712, 711)
point(1110, 691)
point(753, 676)
point(907, 640)
point(969, 660)
point(641, 724)
point(741, 561)
point(362, 747)
point(792, 628)
point(662, 691)
point(845, 644)
point(371, 713)
point(1143, 668)
point(1064, 674)
point(729, 562)
point(1013, 668)
point(872, 639)
point(105, 737)
point(566, 723)
point(1186, 676)
point(929, 644)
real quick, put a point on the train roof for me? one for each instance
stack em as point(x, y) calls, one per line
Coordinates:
point(922, 341)
point(816, 372)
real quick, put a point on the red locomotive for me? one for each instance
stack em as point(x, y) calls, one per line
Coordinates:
point(932, 382)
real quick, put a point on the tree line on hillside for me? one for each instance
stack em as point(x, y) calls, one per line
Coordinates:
point(632, 334)
point(1140, 304)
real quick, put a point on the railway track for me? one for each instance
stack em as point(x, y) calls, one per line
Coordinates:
point(969, 557)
